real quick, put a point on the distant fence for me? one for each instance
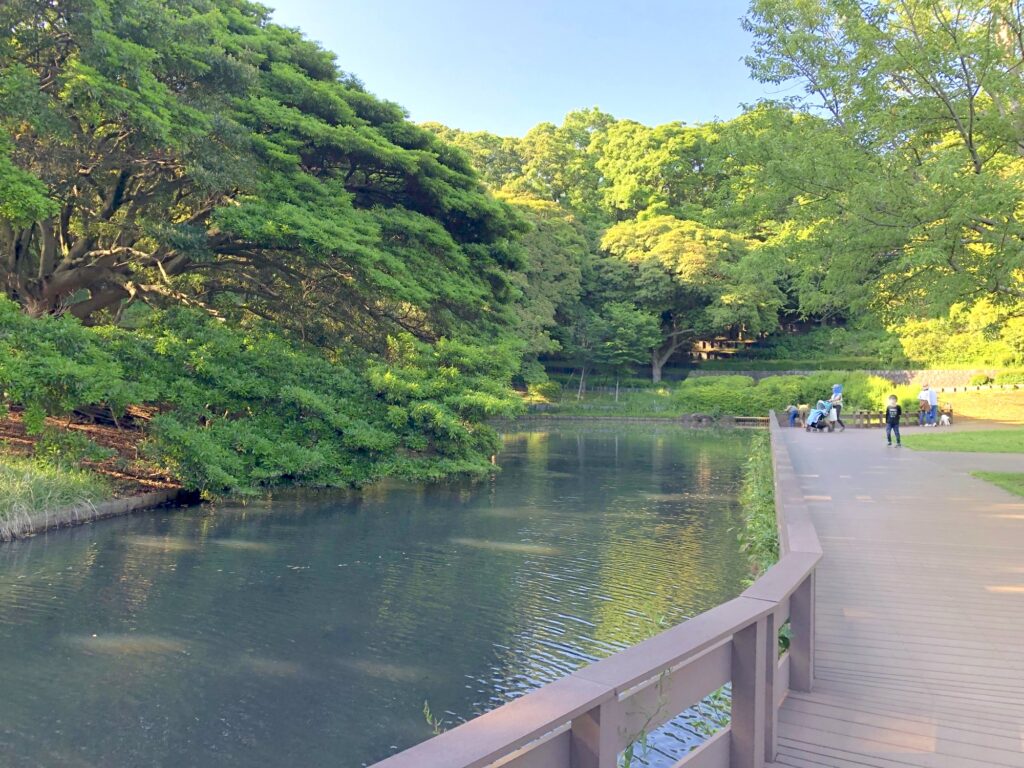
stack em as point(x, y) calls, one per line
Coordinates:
point(587, 719)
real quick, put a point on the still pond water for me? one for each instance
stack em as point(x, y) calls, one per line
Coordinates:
point(310, 630)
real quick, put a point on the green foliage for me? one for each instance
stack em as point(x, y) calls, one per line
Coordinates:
point(624, 337)
point(555, 249)
point(246, 409)
point(790, 364)
point(29, 486)
point(987, 441)
point(67, 448)
point(870, 344)
point(759, 536)
point(730, 395)
point(739, 396)
point(980, 379)
point(547, 392)
point(231, 164)
point(1010, 376)
point(51, 365)
point(653, 402)
point(907, 177)
point(23, 197)
point(980, 334)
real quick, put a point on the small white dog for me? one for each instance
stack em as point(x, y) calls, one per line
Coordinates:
point(944, 420)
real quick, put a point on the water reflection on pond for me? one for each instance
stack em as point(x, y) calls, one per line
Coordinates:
point(311, 629)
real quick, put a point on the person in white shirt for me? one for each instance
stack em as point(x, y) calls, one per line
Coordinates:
point(924, 410)
point(837, 404)
point(933, 407)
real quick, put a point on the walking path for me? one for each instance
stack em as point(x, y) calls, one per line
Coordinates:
point(919, 655)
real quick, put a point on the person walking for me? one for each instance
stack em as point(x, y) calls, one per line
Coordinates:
point(837, 404)
point(924, 405)
point(893, 412)
point(933, 407)
point(794, 413)
point(805, 411)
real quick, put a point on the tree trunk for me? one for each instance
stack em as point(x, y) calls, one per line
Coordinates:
point(583, 386)
point(616, 389)
point(656, 366)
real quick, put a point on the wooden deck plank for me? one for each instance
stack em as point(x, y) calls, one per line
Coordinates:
point(920, 613)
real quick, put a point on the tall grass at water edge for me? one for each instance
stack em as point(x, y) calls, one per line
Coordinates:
point(759, 536)
point(29, 487)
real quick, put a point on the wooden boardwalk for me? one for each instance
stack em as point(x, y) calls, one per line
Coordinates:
point(919, 656)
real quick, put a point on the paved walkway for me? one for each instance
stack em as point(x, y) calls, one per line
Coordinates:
point(920, 610)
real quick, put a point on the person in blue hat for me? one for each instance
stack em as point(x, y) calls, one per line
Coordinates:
point(837, 404)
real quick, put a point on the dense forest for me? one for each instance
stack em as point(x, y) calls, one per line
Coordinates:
point(202, 213)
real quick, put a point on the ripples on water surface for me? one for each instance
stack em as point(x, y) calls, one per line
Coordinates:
point(310, 630)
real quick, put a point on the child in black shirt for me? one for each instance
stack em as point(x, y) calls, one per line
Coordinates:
point(893, 411)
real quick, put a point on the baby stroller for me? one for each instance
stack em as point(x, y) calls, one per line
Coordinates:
point(819, 417)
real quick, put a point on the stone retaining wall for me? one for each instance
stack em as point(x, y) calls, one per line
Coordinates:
point(28, 525)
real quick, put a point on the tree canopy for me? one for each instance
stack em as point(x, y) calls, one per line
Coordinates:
point(195, 152)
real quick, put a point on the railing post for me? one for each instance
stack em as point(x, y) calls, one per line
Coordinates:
point(801, 645)
point(593, 739)
point(771, 673)
point(747, 731)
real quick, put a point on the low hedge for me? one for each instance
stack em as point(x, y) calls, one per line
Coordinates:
point(741, 396)
point(1011, 376)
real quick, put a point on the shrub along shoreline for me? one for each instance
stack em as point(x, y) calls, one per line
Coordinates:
point(236, 411)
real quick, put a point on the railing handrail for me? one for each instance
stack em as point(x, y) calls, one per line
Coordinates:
point(570, 709)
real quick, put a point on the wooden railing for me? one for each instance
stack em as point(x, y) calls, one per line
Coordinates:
point(587, 719)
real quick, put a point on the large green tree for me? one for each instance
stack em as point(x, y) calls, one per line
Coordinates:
point(910, 177)
point(699, 281)
point(555, 249)
point(194, 152)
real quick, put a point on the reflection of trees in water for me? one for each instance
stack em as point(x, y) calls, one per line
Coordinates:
point(384, 601)
point(648, 564)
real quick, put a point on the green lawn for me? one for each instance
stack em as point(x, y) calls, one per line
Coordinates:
point(987, 441)
point(653, 403)
point(28, 486)
point(1011, 481)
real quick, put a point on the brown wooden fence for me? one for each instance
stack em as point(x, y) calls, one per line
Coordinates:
point(587, 719)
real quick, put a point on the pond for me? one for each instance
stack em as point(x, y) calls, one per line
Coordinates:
point(335, 629)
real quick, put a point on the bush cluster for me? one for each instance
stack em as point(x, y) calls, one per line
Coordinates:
point(740, 396)
point(1011, 376)
point(238, 409)
point(835, 347)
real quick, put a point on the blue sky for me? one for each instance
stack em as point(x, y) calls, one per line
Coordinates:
point(504, 67)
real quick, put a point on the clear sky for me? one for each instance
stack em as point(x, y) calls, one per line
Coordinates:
point(506, 66)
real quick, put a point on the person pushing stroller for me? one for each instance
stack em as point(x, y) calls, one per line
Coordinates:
point(837, 404)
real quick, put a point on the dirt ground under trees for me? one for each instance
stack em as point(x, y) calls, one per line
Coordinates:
point(127, 470)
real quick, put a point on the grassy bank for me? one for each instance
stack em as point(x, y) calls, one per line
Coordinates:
point(656, 402)
point(985, 441)
point(1010, 481)
point(29, 486)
